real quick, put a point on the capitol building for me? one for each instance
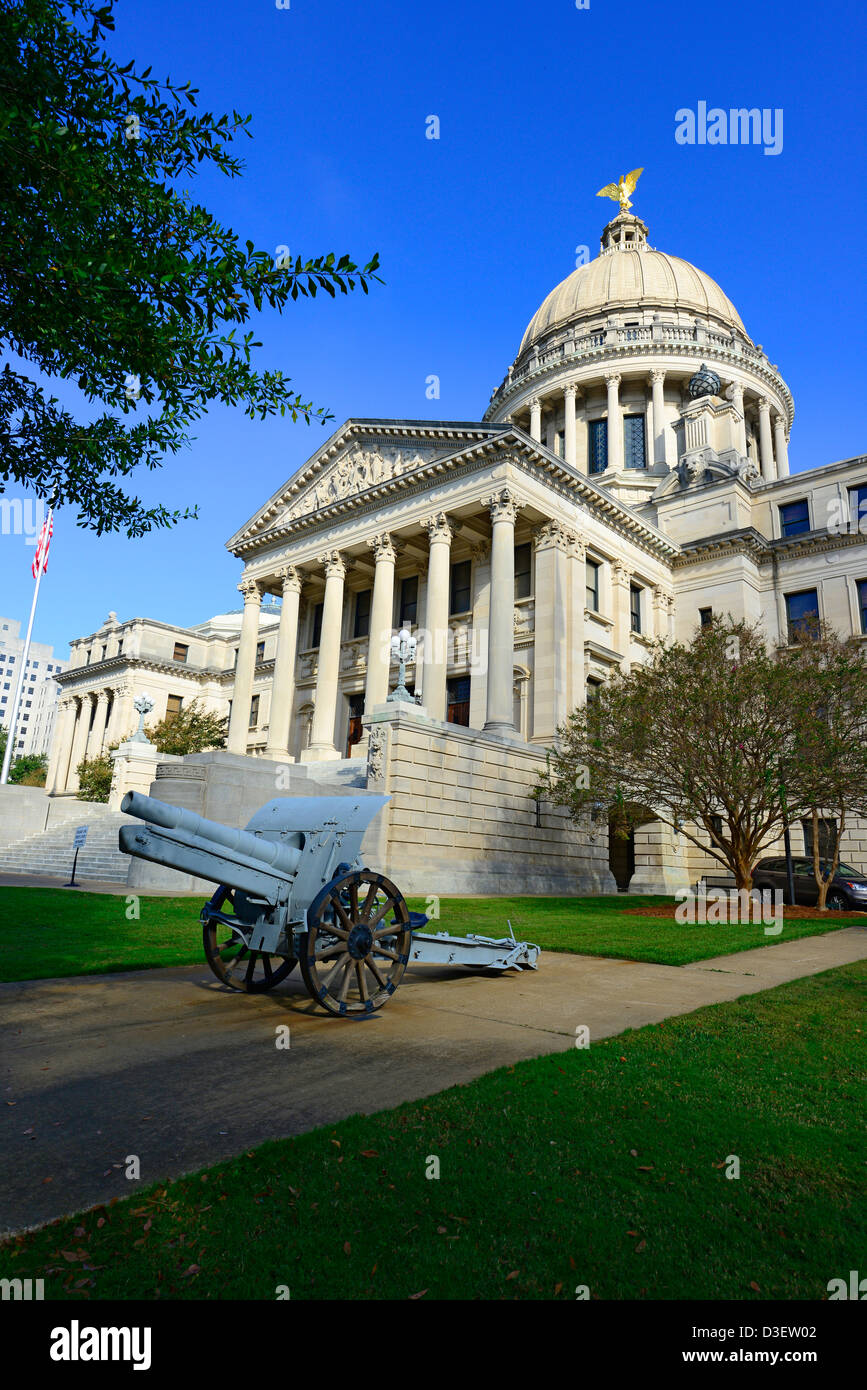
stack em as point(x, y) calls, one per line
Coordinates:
point(628, 480)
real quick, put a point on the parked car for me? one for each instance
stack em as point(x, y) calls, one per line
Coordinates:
point(847, 889)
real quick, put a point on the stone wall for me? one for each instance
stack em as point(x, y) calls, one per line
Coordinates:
point(462, 819)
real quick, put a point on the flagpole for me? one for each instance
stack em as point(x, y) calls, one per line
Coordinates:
point(19, 684)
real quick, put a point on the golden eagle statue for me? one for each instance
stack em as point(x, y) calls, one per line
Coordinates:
point(620, 191)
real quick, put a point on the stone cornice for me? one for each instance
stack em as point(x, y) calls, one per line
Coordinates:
point(117, 666)
point(764, 549)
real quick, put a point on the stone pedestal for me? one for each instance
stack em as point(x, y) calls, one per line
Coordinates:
point(135, 767)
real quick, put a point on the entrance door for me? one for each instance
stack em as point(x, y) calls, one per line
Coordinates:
point(621, 857)
point(356, 710)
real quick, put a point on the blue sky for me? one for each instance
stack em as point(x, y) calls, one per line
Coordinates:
point(539, 105)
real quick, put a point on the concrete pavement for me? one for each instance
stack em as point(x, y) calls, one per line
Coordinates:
point(165, 1065)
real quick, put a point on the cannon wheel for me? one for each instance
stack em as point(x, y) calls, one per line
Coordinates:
point(357, 943)
point(233, 963)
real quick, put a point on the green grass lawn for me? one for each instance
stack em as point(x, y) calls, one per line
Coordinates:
point(604, 1168)
point(47, 932)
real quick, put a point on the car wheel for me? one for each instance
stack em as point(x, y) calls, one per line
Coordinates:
point(837, 901)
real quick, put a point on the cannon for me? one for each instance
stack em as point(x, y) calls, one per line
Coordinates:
point(292, 890)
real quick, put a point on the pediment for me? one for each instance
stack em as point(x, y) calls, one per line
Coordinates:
point(363, 465)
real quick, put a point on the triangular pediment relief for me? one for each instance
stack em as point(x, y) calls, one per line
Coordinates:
point(365, 464)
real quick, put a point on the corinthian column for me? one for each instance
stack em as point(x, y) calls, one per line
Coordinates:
point(736, 396)
point(571, 450)
point(615, 422)
point(551, 655)
point(501, 624)
point(283, 686)
point(536, 419)
point(766, 448)
point(780, 447)
point(325, 699)
point(381, 622)
point(436, 640)
point(242, 695)
point(657, 381)
point(55, 780)
point(97, 733)
point(79, 741)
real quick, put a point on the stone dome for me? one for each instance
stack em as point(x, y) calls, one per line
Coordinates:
point(629, 275)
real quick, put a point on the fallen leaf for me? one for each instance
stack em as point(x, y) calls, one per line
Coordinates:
point(419, 1295)
point(369, 1153)
point(347, 1248)
point(513, 1275)
point(754, 1285)
point(641, 1245)
point(557, 1288)
point(634, 1153)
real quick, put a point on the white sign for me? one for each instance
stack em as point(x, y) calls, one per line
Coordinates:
point(80, 837)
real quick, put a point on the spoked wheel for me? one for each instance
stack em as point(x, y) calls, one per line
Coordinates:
point(233, 963)
point(357, 943)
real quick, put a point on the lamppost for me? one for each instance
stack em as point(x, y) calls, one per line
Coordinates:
point(143, 705)
point(787, 840)
point(402, 650)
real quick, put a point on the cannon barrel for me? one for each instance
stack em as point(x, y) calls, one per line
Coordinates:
point(282, 857)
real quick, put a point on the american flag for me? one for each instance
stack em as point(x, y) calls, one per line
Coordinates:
point(40, 559)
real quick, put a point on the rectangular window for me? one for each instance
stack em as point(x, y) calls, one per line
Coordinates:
point(827, 837)
point(174, 705)
point(862, 602)
point(593, 688)
point(181, 652)
point(316, 631)
point(705, 616)
point(458, 700)
point(597, 446)
point(633, 441)
point(409, 601)
point(802, 613)
point(460, 600)
point(794, 518)
point(593, 586)
point(635, 608)
point(260, 651)
point(355, 728)
point(858, 508)
point(361, 624)
point(523, 571)
point(254, 712)
point(716, 822)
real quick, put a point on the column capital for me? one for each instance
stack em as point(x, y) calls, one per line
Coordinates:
point(335, 565)
point(658, 374)
point(764, 404)
point(612, 379)
point(779, 421)
point(102, 696)
point(535, 403)
point(570, 391)
point(553, 534)
point(735, 392)
point(621, 572)
point(251, 589)
point(439, 528)
point(290, 577)
point(481, 552)
point(503, 505)
point(384, 547)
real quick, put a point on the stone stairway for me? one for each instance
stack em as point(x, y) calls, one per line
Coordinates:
point(49, 854)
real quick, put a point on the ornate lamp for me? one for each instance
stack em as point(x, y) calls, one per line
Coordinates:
point(402, 650)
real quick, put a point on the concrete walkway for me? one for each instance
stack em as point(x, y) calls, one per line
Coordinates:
point(166, 1065)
